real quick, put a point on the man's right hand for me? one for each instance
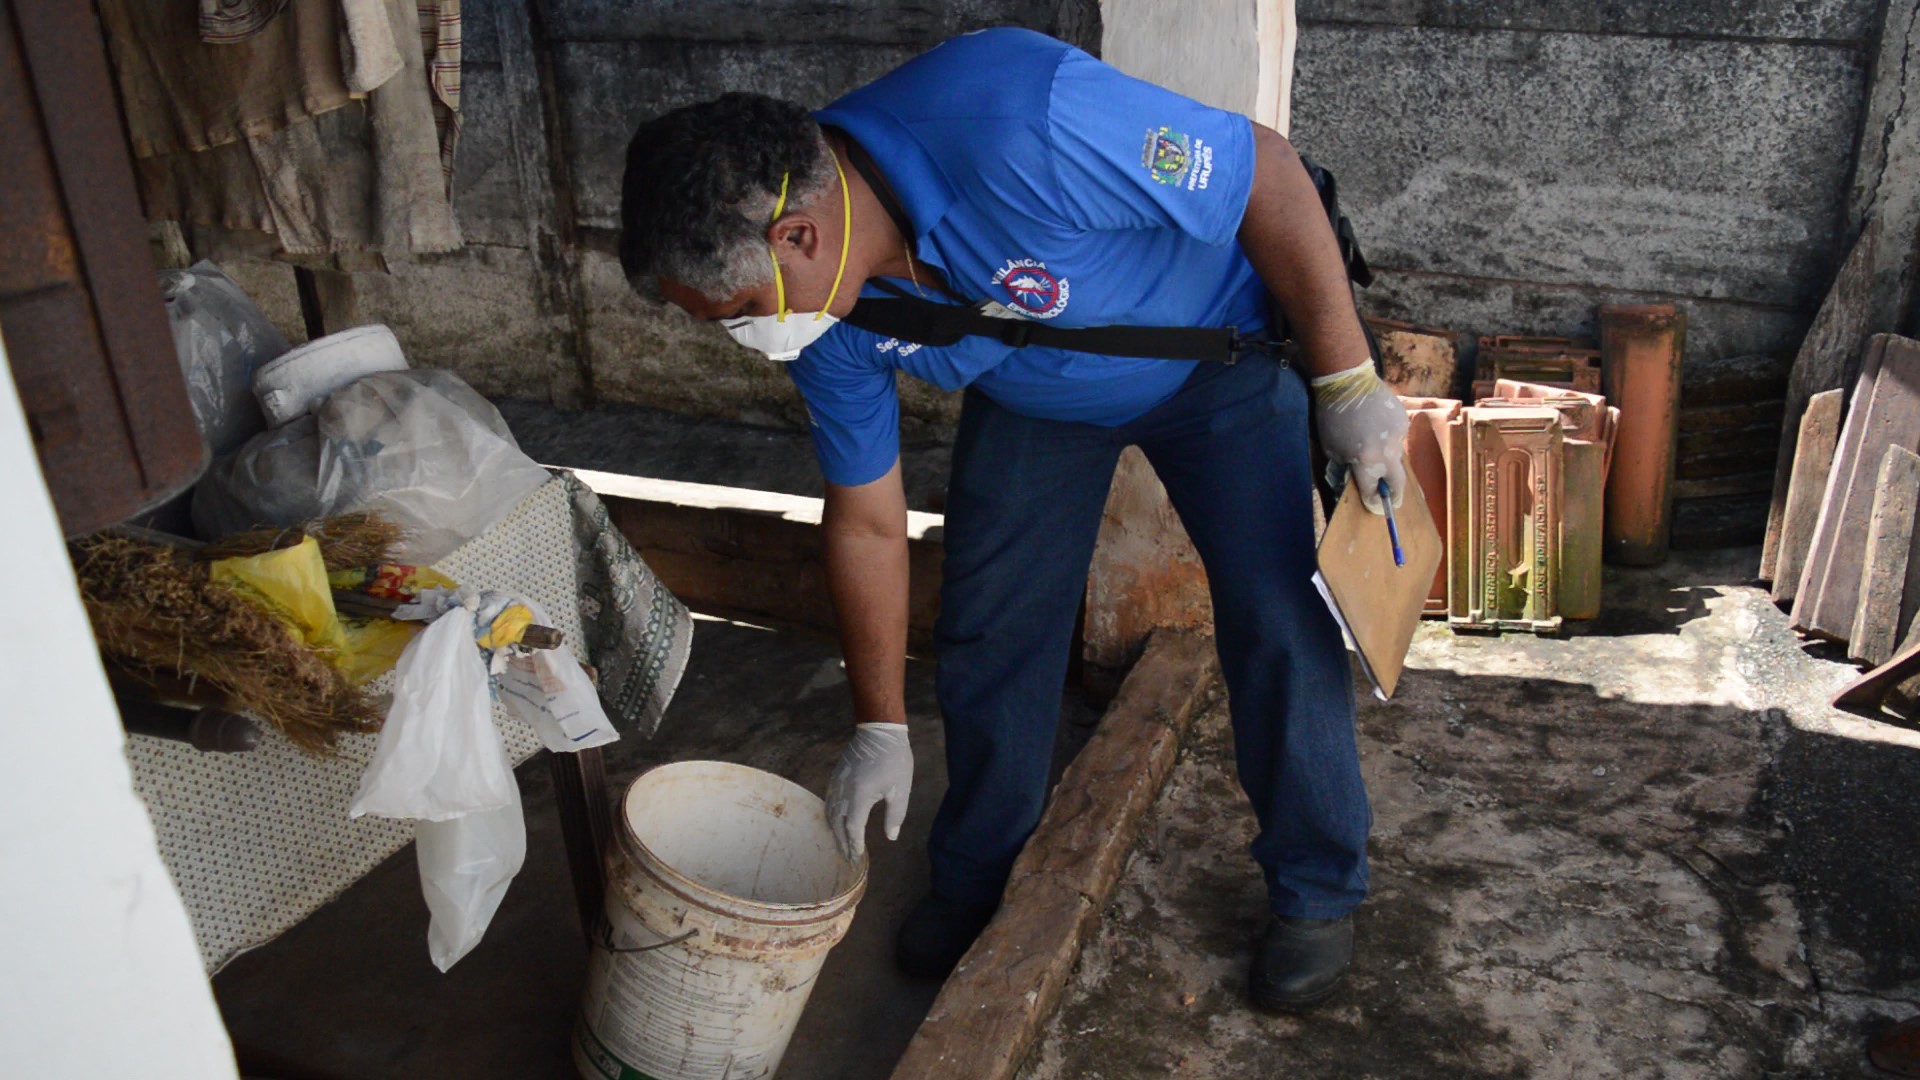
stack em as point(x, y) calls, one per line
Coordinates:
point(877, 766)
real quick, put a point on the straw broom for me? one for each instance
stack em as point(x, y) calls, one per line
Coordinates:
point(156, 612)
point(347, 541)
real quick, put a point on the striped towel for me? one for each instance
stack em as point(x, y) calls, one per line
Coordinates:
point(440, 39)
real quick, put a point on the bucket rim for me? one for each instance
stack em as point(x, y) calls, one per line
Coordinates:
point(769, 912)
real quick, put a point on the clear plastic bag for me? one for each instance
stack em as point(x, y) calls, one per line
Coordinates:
point(466, 864)
point(439, 756)
point(221, 337)
point(420, 448)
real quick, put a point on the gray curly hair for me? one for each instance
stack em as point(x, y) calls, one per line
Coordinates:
point(700, 189)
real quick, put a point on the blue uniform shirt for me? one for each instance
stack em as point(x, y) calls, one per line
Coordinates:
point(1042, 179)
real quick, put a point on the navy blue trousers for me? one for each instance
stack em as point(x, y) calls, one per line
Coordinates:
point(1023, 509)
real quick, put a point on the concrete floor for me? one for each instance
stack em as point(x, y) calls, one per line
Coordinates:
point(1644, 849)
point(349, 994)
point(1647, 849)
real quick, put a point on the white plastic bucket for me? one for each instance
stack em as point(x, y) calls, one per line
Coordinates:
point(724, 895)
point(299, 381)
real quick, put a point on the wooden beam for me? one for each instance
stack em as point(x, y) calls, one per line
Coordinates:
point(586, 821)
point(1887, 566)
point(988, 1014)
point(1868, 690)
point(1812, 461)
point(753, 555)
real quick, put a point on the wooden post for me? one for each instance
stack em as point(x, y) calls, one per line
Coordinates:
point(1145, 572)
point(586, 820)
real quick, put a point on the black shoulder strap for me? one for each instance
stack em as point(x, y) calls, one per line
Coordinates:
point(929, 322)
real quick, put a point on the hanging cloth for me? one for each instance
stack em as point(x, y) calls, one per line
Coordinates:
point(366, 173)
point(224, 22)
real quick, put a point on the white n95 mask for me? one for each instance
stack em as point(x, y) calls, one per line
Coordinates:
point(782, 336)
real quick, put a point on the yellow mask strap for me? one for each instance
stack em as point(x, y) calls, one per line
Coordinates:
point(779, 286)
point(846, 237)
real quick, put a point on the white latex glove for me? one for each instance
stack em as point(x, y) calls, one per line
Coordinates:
point(877, 766)
point(1363, 426)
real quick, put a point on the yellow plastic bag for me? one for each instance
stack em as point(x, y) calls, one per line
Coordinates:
point(508, 628)
point(391, 580)
point(292, 584)
point(374, 644)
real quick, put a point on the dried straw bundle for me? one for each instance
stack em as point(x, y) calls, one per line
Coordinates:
point(155, 611)
point(347, 541)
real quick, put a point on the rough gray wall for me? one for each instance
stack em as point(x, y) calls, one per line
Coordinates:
point(535, 307)
point(1511, 165)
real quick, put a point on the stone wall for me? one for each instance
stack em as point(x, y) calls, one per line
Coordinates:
point(1510, 166)
point(536, 307)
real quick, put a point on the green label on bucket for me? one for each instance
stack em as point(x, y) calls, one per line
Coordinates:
point(595, 1055)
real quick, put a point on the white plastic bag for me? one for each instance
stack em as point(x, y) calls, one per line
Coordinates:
point(441, 761)
point(466, 864)
point(439, 756)
point(547, 690)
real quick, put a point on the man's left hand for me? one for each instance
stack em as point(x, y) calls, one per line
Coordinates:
point(1363, 426)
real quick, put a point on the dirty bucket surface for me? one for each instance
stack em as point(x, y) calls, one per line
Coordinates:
point(723, 899)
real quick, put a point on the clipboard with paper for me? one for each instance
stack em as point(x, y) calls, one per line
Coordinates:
point(1376, 601)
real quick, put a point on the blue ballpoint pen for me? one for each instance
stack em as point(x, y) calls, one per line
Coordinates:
point(1393, 531)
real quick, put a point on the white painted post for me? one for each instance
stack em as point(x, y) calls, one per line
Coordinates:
point(1232, 54)
point(99, 974)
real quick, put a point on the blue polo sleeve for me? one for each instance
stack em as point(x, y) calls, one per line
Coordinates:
point(1131, 155)
point(853, 407)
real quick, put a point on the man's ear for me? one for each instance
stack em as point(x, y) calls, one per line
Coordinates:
point(796, 234)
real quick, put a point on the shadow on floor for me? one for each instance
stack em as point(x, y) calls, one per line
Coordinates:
point(1663, 599)
point(1847, 809)
point(349, 994)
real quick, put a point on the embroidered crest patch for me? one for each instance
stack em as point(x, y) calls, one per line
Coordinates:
point(1165, 156)
point(1177, 159)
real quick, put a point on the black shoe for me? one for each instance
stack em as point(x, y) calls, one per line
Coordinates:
point(937, 933)
point(1298, 962)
